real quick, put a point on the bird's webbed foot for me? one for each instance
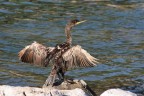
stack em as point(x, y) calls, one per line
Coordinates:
point(60, 74)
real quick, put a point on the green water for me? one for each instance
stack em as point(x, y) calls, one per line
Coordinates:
point(114, 33)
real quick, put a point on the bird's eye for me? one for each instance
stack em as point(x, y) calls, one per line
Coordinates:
point(75, 21)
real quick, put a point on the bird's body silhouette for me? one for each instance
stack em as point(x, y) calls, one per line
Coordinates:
point(63, 56)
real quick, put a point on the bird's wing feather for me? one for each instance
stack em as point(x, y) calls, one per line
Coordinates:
point(35, 54)
point(78, 57)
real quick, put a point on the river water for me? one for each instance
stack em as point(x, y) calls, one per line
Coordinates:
point(113, 33)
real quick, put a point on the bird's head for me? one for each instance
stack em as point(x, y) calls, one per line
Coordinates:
point(75, 22)
point(68, 28)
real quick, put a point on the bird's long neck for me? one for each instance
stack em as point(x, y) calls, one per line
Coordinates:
point(68, 34)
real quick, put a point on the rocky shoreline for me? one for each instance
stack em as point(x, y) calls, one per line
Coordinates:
point(66, 88)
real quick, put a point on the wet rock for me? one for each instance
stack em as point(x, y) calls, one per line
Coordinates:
point(138, 89)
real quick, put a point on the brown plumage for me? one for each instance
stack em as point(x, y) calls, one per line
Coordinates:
point(63, 56)
point(35, 54)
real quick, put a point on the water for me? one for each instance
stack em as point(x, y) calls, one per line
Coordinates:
point(113, 33)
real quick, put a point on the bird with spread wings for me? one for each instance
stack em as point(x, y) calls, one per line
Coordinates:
point(63, 56)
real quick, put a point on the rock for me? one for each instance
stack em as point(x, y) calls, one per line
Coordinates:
point(6, 90)
point(66, 88)
point(117, 92)
point(72, 84)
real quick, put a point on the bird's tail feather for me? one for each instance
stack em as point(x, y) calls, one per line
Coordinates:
point(50, 80)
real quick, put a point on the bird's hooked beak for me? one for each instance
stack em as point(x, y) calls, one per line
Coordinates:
point(80, 22)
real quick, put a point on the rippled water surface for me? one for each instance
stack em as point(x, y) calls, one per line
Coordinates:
point(114, 33)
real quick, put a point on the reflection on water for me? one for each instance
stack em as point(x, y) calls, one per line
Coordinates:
point(113, 33)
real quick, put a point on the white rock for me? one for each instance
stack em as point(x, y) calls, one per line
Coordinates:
point(6, 90)
point(117, 92)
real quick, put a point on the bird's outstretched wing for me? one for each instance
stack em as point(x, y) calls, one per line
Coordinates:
point(78, 57)
point(35, 54)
